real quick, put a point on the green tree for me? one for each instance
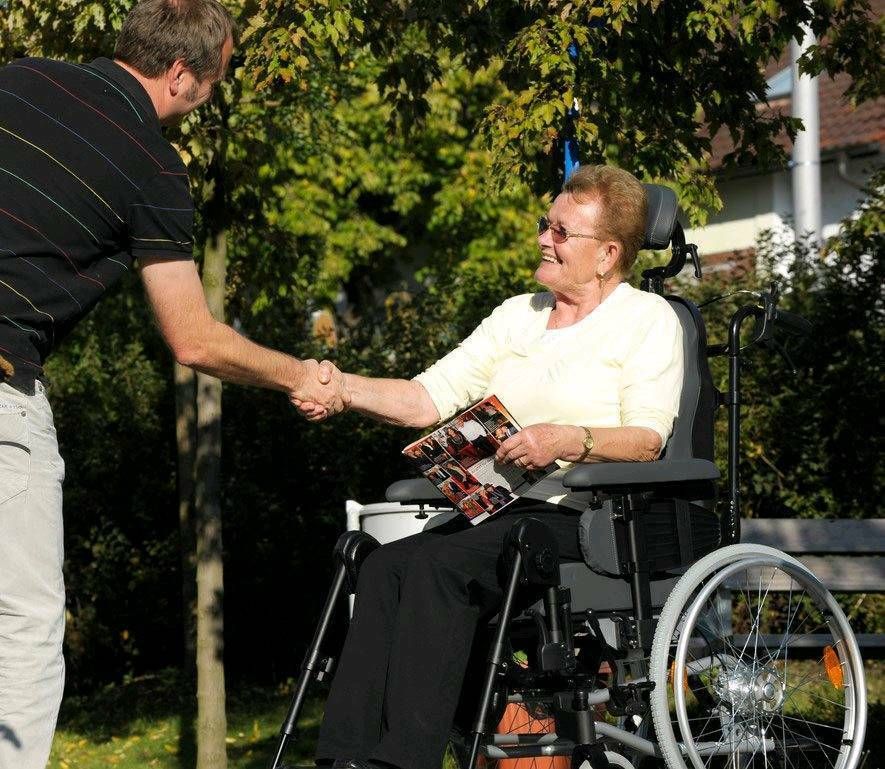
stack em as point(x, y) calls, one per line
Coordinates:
point(808, 450)
point(824, 460)
point(656, 80)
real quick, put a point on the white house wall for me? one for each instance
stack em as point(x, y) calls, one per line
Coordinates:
point(752, 204)
point(840, 199)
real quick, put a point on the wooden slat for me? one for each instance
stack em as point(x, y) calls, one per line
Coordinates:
point(812, 536)
point(815, 641)
point(860, 574)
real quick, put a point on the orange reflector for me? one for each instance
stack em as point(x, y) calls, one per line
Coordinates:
point(833, 667)
point(672, 675)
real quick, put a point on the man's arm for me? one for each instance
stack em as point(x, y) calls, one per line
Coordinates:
point(198, 340)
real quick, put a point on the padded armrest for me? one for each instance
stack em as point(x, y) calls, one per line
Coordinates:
point(417, 491)
point(602, 474)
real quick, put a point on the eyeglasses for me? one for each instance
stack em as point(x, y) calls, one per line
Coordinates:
point(559, 234)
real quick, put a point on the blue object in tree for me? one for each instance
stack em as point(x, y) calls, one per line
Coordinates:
point(570, 158)
point(570, 151)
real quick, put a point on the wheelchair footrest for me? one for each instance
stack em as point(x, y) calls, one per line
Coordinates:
point(540, 748)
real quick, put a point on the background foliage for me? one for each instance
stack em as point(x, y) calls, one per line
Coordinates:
point(655, 80)
point(409, 239)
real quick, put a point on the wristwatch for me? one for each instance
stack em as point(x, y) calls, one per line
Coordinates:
point(588, 444)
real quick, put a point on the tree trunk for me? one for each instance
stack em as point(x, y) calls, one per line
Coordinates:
point(186, 439)
point(211, 718)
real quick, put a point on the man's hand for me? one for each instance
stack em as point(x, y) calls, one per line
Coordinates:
point(322, 392)
point(534, 447)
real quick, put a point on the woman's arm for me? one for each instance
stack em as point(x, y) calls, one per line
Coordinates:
point(455, 380)
point(402, 402)
point(536, 446)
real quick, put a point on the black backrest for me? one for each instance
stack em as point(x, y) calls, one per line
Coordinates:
point(693, 431)
point(692, 435)
point(661, 217)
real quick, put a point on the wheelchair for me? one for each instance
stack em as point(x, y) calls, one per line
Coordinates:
point(672, 644)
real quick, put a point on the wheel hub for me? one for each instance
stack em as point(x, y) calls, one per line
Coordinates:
point(747, 689)
point(769, 689)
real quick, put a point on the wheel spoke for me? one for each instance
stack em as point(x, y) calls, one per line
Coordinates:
point(790, 616)
point(825, 699)
point(755, 625)
point(816, 724)
point(785, 754)
point(816, 741)
point(801, 737)
point(809, 678)
point(812, 677)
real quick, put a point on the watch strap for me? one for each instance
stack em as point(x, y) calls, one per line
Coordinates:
point(588, 444)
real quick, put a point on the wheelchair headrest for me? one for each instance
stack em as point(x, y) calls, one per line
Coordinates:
point(661, 216)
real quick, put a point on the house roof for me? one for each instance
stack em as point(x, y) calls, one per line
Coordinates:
point(842, 126)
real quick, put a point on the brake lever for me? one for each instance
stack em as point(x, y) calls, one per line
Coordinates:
point(695, 259)
point(769, 312)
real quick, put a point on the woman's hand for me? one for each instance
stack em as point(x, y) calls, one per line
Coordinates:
point(536, 446)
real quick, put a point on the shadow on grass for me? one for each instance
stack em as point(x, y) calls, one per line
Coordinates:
point(255, 755)
point(874, 745)
point(254, 718)
point(115, 709)
point(256, 736)
point(121, 709)
point(187, 729)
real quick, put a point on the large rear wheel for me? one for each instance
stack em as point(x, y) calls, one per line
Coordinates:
point(756, 667)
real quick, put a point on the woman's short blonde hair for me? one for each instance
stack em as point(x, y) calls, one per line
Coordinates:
point(623, 205)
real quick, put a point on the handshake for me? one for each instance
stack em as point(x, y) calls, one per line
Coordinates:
point(322, 391)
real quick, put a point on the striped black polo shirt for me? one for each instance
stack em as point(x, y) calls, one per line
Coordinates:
point(88, 184)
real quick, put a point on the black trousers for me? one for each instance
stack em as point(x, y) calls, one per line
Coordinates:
point(419, 603)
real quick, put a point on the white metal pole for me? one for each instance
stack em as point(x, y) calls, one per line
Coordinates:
point(806, 149)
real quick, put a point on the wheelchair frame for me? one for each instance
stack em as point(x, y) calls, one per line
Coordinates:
point(567, 666)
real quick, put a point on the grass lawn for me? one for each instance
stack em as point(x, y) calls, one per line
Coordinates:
point(148, 723)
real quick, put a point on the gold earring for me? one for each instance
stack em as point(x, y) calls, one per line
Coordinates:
point(602, 278)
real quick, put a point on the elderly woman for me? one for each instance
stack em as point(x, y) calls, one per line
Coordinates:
point(592, 368)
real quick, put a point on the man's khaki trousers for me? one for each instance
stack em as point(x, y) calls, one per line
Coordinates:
point(32, 596)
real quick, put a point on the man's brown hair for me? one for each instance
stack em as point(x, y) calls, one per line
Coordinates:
point(158, 32)
point(623, 205)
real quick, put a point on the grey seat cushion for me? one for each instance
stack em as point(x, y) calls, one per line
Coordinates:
point(601, 592)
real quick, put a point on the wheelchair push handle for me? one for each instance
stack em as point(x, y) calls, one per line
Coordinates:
point(768, 320)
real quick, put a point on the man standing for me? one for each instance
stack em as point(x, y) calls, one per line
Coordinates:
point(88, 187)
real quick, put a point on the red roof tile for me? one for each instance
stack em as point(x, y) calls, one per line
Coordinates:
point(841, 125)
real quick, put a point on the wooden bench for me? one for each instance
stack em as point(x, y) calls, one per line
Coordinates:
point(848, 556)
